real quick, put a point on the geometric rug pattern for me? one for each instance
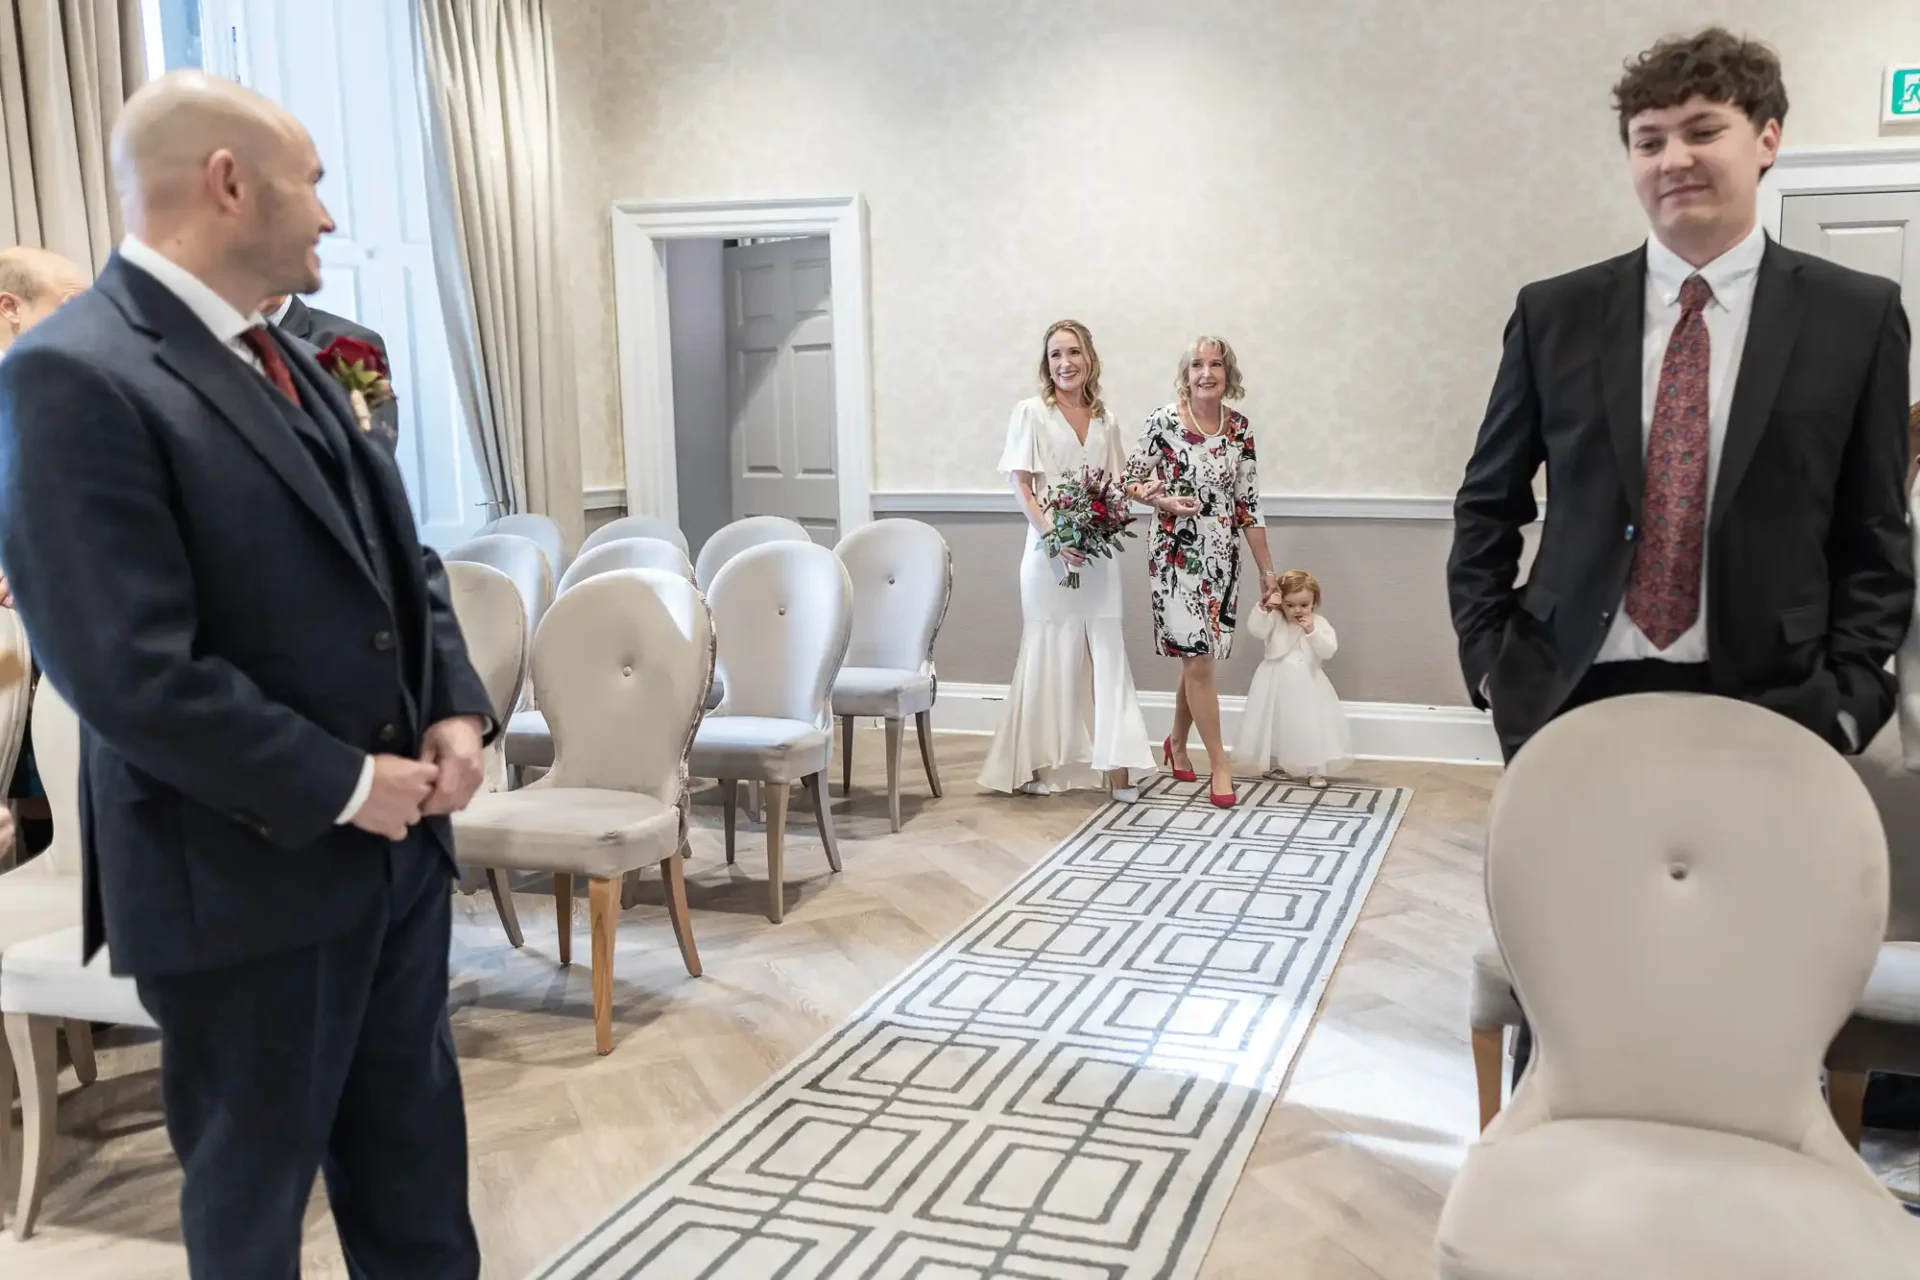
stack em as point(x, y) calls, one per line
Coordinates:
point(1066, 1089)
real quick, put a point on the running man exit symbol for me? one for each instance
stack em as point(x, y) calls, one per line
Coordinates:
point(1902, 99)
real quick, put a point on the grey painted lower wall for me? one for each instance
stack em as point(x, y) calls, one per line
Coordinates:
point(1384, 584)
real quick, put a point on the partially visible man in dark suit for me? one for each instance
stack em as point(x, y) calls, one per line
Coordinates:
point(1723, 426)
point(317, 328)
point(278, 710)
point(34, 283)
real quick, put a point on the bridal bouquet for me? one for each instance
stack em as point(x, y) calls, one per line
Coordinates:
point(1088, 513)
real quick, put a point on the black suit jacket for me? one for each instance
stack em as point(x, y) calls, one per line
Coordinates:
point(317, 328)
point(193, 586)
point(1810, 579)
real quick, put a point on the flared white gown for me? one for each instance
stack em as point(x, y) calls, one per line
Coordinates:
point(1071, 711)
point(1293, 719)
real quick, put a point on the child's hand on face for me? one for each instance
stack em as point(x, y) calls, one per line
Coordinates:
point(1299, 610)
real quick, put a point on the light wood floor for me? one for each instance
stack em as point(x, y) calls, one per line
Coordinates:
point(1345, 1182)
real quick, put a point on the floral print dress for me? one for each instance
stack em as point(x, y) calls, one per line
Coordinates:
point(1195, 560)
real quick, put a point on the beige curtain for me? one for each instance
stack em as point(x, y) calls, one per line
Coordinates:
point(493, 177)
point(66, 66)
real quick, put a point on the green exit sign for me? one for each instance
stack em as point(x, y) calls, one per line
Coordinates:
point(1900, 100)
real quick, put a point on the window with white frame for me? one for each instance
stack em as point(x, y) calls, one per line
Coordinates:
point(346, 68)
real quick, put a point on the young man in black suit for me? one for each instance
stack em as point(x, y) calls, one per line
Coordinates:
point(1723, 426)
point(223, 579)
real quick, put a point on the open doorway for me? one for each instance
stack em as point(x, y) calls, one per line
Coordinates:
point(645, 235)
point(750, 327)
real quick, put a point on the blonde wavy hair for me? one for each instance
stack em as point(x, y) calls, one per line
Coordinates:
point(1297, 580)
point(1182, 386)
point(1090, 390)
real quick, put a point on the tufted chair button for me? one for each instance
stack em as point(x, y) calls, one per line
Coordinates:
point(890, 579)
point(626, 671)
point(1678, 870)
point(783, 611)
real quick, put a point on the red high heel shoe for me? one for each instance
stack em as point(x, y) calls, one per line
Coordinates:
point(1226, 801)
point(1179, 774)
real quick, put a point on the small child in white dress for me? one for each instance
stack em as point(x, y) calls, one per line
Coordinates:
point(1293, 724)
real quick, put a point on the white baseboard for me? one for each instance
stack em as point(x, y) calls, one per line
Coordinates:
point(1381, 730)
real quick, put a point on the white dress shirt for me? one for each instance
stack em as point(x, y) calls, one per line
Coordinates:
point(1731, 276)
point(226, 324)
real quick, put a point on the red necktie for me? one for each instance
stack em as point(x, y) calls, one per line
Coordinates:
point(272, 363)
point(1663, 590)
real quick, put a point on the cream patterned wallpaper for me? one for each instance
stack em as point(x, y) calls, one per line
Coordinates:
point(1351, 192)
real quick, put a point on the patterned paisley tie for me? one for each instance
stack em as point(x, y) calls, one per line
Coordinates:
point(1663, 590)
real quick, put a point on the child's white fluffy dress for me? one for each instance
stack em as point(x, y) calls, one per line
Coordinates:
point(1293, 719)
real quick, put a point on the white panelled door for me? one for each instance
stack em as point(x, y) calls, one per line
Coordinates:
point(780, 406)
point(346, 69)
point(1873, 231)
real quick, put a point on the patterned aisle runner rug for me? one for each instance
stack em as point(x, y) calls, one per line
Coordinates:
point(1065, 1090)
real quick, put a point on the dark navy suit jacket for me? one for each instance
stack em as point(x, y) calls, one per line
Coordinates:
point(193, 585)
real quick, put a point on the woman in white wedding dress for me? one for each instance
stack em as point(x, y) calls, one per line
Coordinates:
point(1071, 718)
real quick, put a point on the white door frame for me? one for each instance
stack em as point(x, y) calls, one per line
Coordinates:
point(640, 230)
point(1867, 166)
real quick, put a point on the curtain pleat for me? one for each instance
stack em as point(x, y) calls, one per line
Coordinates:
point(493, 196)
point(66, 66)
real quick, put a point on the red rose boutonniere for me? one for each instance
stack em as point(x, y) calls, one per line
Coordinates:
point(361, 370)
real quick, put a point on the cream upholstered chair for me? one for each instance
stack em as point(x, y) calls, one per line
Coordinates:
point(528, 743)
point(627, 553)
point(521, 559)
point(636, 527)
point(902, 575)
point(493, 619)
point(526, 565)
point(622, 664)
point(730, 540)
point(44, 987)
point(783, 614)
point(1689, 893)
point(542, 531)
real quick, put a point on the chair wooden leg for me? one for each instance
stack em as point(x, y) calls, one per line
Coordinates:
point(6, 1114)
point(846, 755)
point(729, 802)
point(503, 903)
point(776, 852)
point(923, 730)
point(630, 890)
point(1846, 1098)
point(563, 914)
point(1489, 1055)
point(603, 907)
point(817, 788)
point(31, 1040)
point(894, 725)
point(674, 873)
point(80, 1048)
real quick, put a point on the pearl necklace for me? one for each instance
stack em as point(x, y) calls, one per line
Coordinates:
point(1219, 424)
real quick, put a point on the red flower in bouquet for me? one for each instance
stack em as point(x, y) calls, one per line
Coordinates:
point(361, 370)
point(1088, 513)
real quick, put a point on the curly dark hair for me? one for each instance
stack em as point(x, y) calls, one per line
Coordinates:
point(1716, 65)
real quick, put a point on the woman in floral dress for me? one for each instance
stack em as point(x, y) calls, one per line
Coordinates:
point(1202, 454)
